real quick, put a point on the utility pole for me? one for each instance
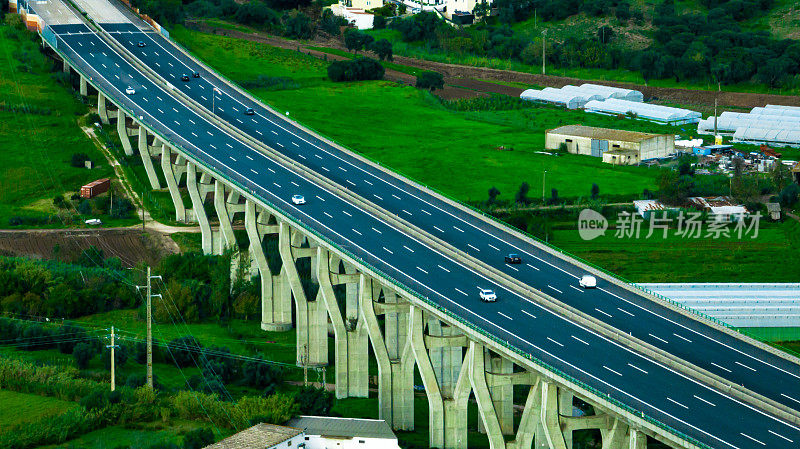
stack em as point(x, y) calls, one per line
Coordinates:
point(112, 346)
point(149, 301)
point(544, 39)
point(543, 177)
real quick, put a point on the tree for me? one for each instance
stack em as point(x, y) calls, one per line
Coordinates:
point(260, 375)
point(314, 401)
point(382, 48)
point(595, 191)
point(67, 336)
point(379, 23)
point(356, 41)
point(789, 195)
point(83, 354)
point(298, 26)
point(356, 70)
point(430, 81)
point(183, 350)
point(493, 194)
point(79, 160)
point(198, 438)
point(604, 34)
point(120, 356)
point(554, 199)
point(521, 196)
point(481, 9)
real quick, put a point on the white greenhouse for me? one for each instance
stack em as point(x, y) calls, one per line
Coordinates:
point(554, 96)
point(644, 111)
point(778, 137)
point(614, 92)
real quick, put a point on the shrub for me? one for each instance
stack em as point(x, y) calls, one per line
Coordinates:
point(183, 350)
point(359, 69)
point(430, 81)
point(83, 354)
point(198, 438)
point(79, 160)
point(314, 401)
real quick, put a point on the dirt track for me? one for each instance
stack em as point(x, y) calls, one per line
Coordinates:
point(464, 81)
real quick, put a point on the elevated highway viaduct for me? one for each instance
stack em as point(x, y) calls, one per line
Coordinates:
point(417, 258)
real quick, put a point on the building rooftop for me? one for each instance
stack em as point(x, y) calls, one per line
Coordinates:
point(603, 133)
point(343, 427)
point(260, 436)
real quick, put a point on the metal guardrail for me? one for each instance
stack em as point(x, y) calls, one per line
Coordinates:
point(247, 186)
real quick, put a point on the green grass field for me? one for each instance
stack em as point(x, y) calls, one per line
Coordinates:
point(409, 131)
point(38, 145)
point(20, 408)
point(118, 436)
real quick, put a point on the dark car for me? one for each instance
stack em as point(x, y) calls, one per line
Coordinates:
point(185, 78)
point(249, 111)
point(513, 258)
point(196, 75)
point(141, 44)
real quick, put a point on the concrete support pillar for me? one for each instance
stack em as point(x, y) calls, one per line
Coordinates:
point(101, 108)
point(276, 301)
point(311, 316)
point(447, 416)
point(396, 325)
point(446, 360)
point(637, 440)
point(551, 424)
point(171, 175)
point(490, 408)
point(198, 192)
point(395, 370)
point(350, 331)
point(616, 436)
point(123, 133)
point(147, 161)
point(565, 399)
point(84, 88)
point(66, 67)
point(501, 389)
point(225, 210)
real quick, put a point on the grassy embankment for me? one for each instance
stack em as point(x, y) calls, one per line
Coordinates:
point(40, 119)
point(454, 152)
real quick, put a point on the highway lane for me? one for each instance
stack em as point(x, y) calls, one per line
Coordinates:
point(691, 340)
point(576, 351)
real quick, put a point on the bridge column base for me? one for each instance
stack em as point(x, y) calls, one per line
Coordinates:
point(102, 111)
point(84, 88)
point(147, 161)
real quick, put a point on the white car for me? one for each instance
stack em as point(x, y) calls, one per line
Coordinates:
point(487, 295)
point(588, 281)
point(130, 91)
point(298, 199)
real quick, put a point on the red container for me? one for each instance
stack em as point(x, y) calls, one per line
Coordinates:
point(95, 188)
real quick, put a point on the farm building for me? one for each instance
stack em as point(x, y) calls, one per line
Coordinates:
point(615, 146)
point(576, 97)
point(651, 112)
point(614, 92)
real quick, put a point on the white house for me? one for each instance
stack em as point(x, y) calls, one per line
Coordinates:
point(345, 433)
point(263, 436)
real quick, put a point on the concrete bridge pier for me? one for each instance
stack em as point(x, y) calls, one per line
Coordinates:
point(447, 412)
point(276, 300)
point(84, 88)
point(311, 316)
point(66, 67)
point(198, 191)
point(350, 334)
point(172, 174)
point(102, 111)
point(395, 358)
point(122, 131)
point(147, 161)
point(226, 205)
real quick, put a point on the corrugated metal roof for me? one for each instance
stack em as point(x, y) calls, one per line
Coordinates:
point(260, 436)
point(603, 133)
point(343, 427)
